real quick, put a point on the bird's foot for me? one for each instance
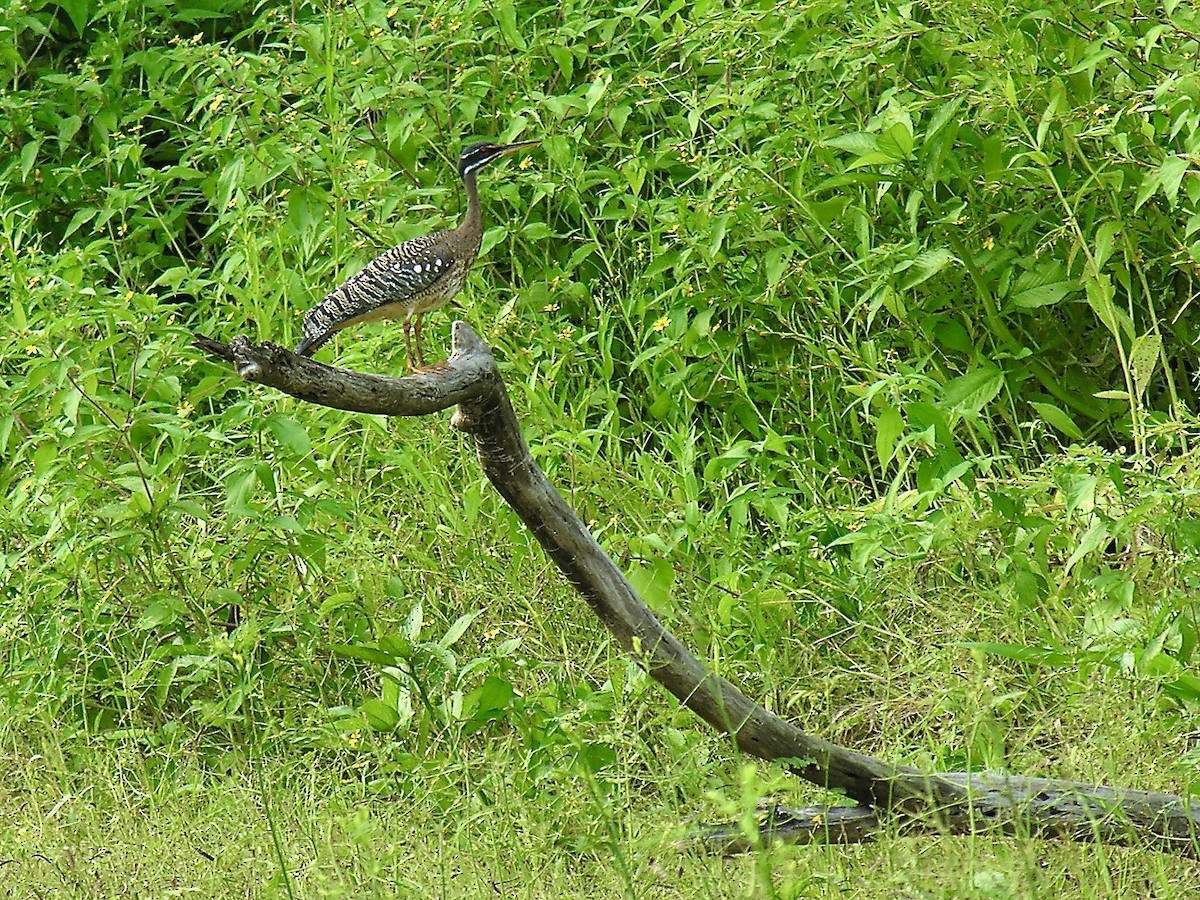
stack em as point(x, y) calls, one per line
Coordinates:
point(442, 368)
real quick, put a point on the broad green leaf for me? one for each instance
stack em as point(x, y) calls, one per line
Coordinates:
point(858, 143)
point(888, 428)
point(1022, 653)
point(1057, 419)
point(776, 262)
point(459, 628)
point(566, 62)
point(290, 434)
point(363, 652)
point(1170, 175)
point(29, 153)
point(1143, 359)
point(506, 17)
point(975, 390)
point(1105, 236)
point(653, 582)
point(924, 266)
point(380, 716)
point(1042, 295)
point(1100, 299)
point(1095, 536)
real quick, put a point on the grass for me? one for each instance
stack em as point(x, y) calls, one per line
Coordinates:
point(519, 806)
point(861, 337)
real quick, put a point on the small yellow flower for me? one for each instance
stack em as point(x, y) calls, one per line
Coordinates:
point(33, 350)
point(215, 103)
point(525, 163)
point(989, 243)
point(360, 163)
point(567, 333)
point(661, 324)
point(552, 307)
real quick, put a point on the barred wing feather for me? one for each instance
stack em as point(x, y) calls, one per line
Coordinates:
point(389, 286)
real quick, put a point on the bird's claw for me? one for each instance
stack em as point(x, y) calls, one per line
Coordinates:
point(442, 368)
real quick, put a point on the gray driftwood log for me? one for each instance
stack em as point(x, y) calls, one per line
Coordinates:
point(955, 803)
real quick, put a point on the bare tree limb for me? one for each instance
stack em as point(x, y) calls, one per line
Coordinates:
point(951, 802)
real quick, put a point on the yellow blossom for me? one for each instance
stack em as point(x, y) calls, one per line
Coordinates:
point(661, 324)
point(550, 307)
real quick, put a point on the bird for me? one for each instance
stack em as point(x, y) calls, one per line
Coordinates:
point(413, 278)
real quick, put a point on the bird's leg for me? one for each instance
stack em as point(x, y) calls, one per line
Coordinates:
point(408, 351)
point(420, 355)
point(422, 369)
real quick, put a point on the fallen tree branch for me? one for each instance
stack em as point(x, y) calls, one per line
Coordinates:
point(949, 802)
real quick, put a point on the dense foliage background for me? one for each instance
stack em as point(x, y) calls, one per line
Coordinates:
point(863, 336)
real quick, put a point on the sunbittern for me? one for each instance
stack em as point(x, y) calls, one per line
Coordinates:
point(410, 280)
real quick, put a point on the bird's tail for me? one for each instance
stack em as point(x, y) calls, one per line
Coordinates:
point(311, 344)
point(319, 327)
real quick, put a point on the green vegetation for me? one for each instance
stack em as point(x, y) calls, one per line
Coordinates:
point(863, 336)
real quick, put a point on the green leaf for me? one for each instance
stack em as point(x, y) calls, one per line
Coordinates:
point(888, 427)
point(290, 434)
point(29, 154)
point(1143, 359)
point(653, 583)
point(1022, 653)
point(1042, 295)
point(1057, 419)
point(380, 716)
point(1170, 174)
point(975, 390)
point(363, 652)
point(506, 17)
point(1096, 535)
point(924, 266)
point(566, 62)
point(79, 11)
point(458, 628)
point(776, 263)
point(1100, 298)
point(618, 116)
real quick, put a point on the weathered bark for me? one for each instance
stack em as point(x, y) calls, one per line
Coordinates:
point(947, 802)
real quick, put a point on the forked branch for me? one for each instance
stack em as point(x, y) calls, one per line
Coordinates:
point(948, 802)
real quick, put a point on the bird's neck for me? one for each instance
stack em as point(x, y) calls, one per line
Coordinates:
point(473, 218)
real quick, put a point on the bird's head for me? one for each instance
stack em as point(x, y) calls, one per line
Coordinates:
point(475, 156)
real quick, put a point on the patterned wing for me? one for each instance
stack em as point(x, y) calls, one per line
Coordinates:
point(389, 283)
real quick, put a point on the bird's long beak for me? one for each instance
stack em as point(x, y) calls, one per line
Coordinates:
point(513, 148)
